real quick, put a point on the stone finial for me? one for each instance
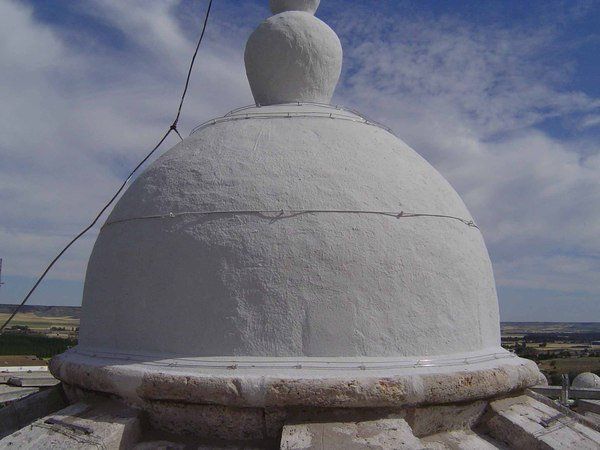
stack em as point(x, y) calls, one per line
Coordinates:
point(293, 56)
point(279, 6)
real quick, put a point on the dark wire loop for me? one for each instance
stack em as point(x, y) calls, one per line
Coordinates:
point(173, 127)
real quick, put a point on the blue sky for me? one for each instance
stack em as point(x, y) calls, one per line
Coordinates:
point(502, 97)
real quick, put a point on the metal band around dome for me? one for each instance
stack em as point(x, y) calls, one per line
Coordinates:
point(287, 115)
point(304, 103)
point(255, 112)
point(234, 363)
point(291, 213)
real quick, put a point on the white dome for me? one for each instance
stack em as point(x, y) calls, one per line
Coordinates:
point(587, 380)
point(323, 284)
point(285, 256)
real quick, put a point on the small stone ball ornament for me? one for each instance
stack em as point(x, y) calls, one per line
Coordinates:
point(587, 380)
point(279, 6)
point(293, 57)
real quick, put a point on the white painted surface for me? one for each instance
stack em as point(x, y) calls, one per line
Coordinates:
point(293, 56)
point(279, 6)
point(321, 285)
point(9, 369)
point(586, 380)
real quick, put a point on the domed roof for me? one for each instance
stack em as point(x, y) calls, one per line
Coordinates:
point(587, 380)
point(290, 255)
point(230, 275)
point(291, 230)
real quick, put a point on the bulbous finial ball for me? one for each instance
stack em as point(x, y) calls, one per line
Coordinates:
point(279, 6)
point(293, 57)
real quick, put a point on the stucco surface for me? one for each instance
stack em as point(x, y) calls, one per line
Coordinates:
point(293, 56)
point(279, 6)
point(308, 285)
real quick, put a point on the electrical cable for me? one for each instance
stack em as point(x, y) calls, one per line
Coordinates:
point(173, 127)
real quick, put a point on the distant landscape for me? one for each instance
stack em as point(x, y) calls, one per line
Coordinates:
point(43, 331)
point(44, 311)
point(557, 347)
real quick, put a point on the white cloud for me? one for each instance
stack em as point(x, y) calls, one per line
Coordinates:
point(76, 115)
point(562, 274)
point(592, 120)
point(472, 100)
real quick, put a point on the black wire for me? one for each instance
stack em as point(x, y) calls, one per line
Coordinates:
point(85, 230)
point(173, 127)
point(189, 74)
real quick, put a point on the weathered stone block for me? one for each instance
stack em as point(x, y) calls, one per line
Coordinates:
point(523, 422)
point(24, 411)
point(377, 434)
point(80, 426)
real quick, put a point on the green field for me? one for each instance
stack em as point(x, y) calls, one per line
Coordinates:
point(573, 366)
point(566, 365)
point(40, 346)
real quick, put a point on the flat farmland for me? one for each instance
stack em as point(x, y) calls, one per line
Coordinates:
point(35, 322)
point(567, 365)
point(42, 318)
point(562, 346)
